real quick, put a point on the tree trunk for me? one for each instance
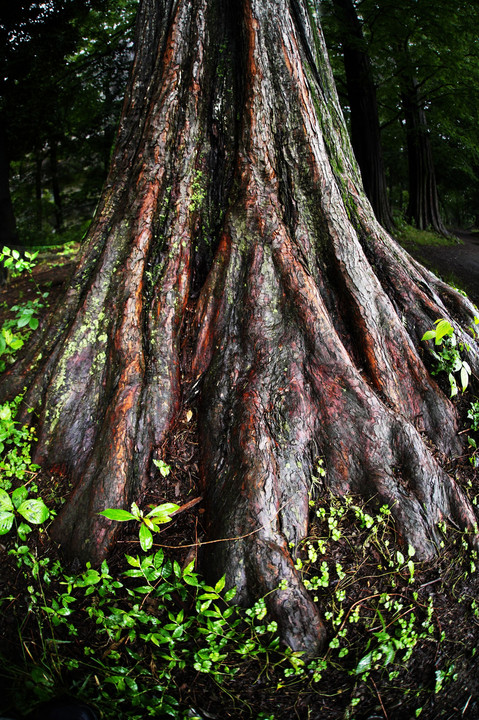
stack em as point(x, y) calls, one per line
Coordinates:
point(423, 207)
point(38, 190)
point(8, 228)
point(233, 191)
point(56, 191)
point(365, 128)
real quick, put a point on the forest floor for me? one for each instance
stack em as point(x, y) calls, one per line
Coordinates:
point(457, 264)
point(440, 678)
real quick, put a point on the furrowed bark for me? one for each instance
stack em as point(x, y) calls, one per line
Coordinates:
point(233, 188)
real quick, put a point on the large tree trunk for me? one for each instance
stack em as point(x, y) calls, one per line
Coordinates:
point(233, 191)
point(365, 128)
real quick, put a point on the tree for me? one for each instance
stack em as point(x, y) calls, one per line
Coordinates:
point(63, 81)
point(8, 229)
point(413, 62)
point(423, 206)
point(235, 266)
point(363, 107)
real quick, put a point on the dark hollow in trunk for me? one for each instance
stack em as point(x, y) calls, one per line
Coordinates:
point(233, 189)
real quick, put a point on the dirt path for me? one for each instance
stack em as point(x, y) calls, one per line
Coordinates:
point(456, 264)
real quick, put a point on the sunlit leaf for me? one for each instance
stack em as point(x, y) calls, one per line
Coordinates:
point(34, 511)
point(118, 515)
point(5, 501)
point(146, 538)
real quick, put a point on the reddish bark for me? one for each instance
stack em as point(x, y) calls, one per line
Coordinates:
point(233, 187)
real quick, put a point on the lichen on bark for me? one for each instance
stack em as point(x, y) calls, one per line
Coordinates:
point(235, 194)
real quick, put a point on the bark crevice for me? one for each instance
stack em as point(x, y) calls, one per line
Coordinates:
point(236, 194)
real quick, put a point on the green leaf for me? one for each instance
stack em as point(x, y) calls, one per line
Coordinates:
point(230, 594)
point(163, 511)
point(132, 561)
point(118, 515)
point(191, 580)
point(453, 384)
point(146, 538)
point(34, 322)
point(443, 328)
point(34, 511)
point(429, 335)
point(389, 653)
point(5, 501)
point(6, 521)
point(24, 320)
point(220, 584)
point(136, 511)
point(163, 467)
point(364, 664)
point(23, 530)
point(19, 495)
point(16, 343)
point(465, 372)
point(91, 577)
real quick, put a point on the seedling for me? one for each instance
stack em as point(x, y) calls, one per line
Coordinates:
point(33, 510)
point(448, 357)
point(149, 523)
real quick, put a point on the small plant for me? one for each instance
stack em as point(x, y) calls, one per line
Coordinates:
point(33, 510)
point(449, 356)
point(16, 330)
point(16, 263)
point(149, 523)
point(473, 416)
point(15, 446)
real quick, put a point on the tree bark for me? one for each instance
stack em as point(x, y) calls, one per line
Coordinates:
point(423, 207)
point(8, 227)
point(365, 126)
point(56, 191)
point(233, 192)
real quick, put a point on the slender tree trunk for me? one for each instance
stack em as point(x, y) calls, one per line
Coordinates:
point(38, 190)
point(423, 207)
point(365, 127)
point(233, 195)
point(8, 228)
point(57, 196)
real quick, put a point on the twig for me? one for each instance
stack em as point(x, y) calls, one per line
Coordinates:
point(187, 505)
point(380, 700)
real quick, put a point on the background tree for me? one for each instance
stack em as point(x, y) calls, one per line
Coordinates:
point(424, 62)
point(64, 77)
point(235, 266)
point(363, 109)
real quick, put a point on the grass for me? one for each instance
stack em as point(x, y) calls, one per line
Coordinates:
point(409, 236)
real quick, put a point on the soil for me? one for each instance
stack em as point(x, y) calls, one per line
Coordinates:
point(457, 264)
point(255, 694)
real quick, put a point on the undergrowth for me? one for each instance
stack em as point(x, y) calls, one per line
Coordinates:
point(151, 638)
point(146, 636)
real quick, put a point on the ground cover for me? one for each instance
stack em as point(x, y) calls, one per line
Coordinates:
point(146, 636)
